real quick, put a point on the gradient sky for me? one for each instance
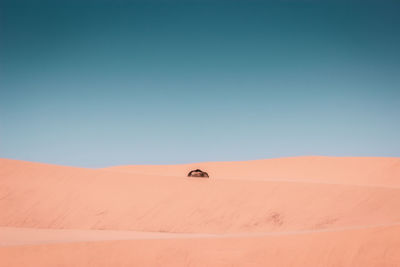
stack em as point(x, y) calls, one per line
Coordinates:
point(100, 83)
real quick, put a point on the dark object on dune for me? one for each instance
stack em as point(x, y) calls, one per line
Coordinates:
point(197, 173)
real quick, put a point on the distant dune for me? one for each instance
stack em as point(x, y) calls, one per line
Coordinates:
point(303, 211)
point(347, 170)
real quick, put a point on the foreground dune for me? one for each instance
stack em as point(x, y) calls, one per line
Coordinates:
point(306, 211)
point(361, 247)
point(11, 236)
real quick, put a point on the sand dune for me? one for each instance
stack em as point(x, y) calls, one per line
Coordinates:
point(348, 170)
point(45, 196)
point(306, 211)
point(363, 247)
point(11, 236)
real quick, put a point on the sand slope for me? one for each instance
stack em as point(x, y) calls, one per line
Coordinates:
point(364, 247)
point(348, 170)
point(250, 213)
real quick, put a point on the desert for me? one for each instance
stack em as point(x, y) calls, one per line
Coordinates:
point(199, 133)
point(299, 211)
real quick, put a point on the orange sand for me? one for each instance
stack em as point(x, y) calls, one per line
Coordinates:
point(305, 211)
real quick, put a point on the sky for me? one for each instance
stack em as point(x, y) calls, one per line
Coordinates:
point(100, 83)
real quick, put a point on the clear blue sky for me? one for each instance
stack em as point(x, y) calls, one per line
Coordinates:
point(98, 83)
